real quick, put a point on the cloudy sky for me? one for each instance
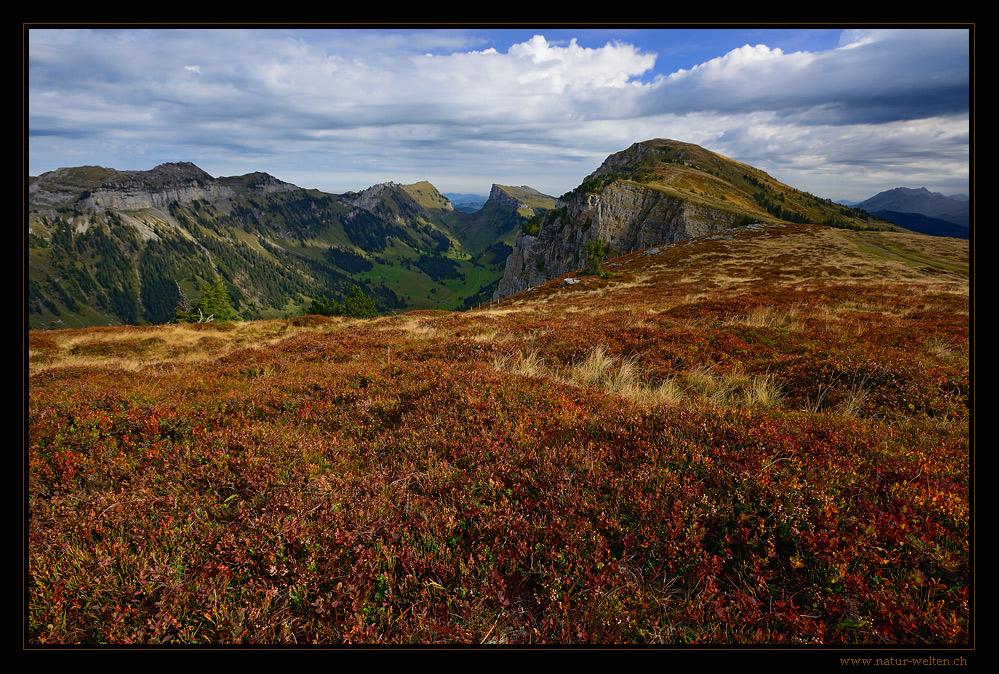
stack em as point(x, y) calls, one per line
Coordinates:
point(840, 113)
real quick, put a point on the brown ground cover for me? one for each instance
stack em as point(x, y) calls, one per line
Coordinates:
point(762, 437)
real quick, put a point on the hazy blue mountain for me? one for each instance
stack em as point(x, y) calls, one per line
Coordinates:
point(953, 209)
point(466, 203)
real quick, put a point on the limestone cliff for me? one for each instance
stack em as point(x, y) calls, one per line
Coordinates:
point(94, 188)
point(626, 215)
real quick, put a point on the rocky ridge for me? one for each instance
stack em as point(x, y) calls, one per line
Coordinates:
point(108, 246)
point(94, 188)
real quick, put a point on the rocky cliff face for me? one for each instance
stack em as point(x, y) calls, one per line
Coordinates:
point(625, 215)
point(125, 199)
point(97, 189)
point(371, 197)
point(498, 195)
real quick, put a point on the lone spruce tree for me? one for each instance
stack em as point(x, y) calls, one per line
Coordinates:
point(215, 301)
point(359, 305)
point(214, 305)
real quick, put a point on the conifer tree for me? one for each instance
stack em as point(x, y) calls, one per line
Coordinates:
point(214, 305)
point(215, 301)
point(595, 251)
point(359, 305)
point(356, 305)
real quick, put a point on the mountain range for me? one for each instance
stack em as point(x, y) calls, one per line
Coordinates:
point(110, 247)
point(954, 208)
point(469, 203)
point(107, 246)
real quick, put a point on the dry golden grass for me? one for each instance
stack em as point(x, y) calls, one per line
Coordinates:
point(609, 307)
point(853, 402)
point(493, 337)
point(947, 349)
point(502, 310)
point(731, 390)
point(527, 364)
point(623, 377)
point(137, 348)
point(595, 370)
point(768, 317)
point(419, 328)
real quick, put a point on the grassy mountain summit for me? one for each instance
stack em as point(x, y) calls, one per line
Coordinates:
point(427, 196)
point(659, 192)
point(693, 173)
point(758, 435)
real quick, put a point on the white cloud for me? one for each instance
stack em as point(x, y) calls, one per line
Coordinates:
point(400, 100)
point(731, 64)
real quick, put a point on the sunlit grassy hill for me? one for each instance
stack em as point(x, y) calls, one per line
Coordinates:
point(695, 174)
point(659, 192)
point(759, 436)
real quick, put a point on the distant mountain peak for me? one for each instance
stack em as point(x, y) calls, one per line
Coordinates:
point(519, 197)
point(177, 169)
point(428, 196)
point(257, 182)
point(922, 201)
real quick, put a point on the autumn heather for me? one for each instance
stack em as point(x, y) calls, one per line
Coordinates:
point(485, 477)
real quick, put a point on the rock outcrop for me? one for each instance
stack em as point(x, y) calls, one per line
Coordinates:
point(370, 198)
point(95, 188)
point(119, 199)
point(625, 215)
point(518, 197)
point(398, 203)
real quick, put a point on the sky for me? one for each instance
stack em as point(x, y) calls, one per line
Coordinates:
point(843, 113)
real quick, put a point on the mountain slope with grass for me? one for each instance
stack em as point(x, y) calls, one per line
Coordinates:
point(107, 247)
point(755, 436)
point(659, 192)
